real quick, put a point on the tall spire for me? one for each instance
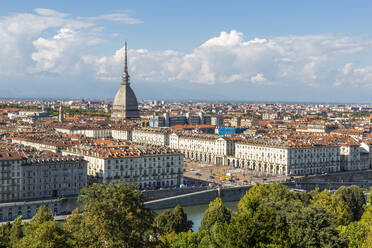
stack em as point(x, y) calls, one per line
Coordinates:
point(125, 75)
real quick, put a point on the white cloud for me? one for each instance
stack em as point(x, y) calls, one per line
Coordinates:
point(116, 17)
point(49, 12)
point(310, 60)
point(258, 78)
point(143, 64)
point(225, 39)
point(43, 40)
point(347, 68)
point(48, 41)
point(58, 54)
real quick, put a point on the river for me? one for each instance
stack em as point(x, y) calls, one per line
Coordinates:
point(195, 213)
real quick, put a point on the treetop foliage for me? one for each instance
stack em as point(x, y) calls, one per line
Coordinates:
point(270, 216)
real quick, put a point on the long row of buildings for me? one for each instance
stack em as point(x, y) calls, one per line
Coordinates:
point(43, 167)
point(138, 163)
point(276, 152)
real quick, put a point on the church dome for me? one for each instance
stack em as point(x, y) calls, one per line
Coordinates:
point(126, 98)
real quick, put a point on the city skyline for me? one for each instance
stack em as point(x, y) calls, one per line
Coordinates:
point(265, 51)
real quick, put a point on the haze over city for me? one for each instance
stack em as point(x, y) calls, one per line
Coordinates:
point(247, 50)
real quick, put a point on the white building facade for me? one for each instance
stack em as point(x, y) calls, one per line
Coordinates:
point(203, 148)
point(288, 160)
point(156, 137)
point(148, 168)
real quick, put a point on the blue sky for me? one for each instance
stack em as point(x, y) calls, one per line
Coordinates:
point(212, 50)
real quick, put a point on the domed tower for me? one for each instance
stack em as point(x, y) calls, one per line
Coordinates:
point(125, 104)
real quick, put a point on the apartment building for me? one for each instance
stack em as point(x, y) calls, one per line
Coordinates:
point(10, 175)
point(203, 147)
point(121, 134)
point(151, 136)
point(147, 166)
point(299, 154)
point(53, 177)
point(23, 177)
point(51, 142)
point(90, 132)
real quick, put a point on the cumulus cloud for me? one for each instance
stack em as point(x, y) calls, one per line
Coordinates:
point(258, 78)
point(58, 54)
point(143, 64)
point(47, 40)
point(233, 38)
point(310, 60)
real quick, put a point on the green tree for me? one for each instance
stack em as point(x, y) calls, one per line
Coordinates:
point(353, 196)
point(16, 232)
point(368, 242)
point(265, 193)
point(173, 221)
point(181, 240)
point(272, 216)
point(356, 234)
point(78, 230)
point(315, 227)
point(334, 204)
point(42, 232)
point(304, 197)
point(261, 219)
point(216, 212)
point(42, 215)
point(114, 215)
point(45, 235)
point(215, 216)
point(264, 226)
point(5, 235)
point(367, 216)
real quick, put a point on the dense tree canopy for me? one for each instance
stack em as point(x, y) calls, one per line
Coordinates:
point(181, 240)
point(353, 196)
point(272, 216)
point(213, 219)
point(216, 213)
point(316, 227)
point(114, 215)
point(173, 221)
point(43, 231)
point(334, 204)
point(47, 234)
